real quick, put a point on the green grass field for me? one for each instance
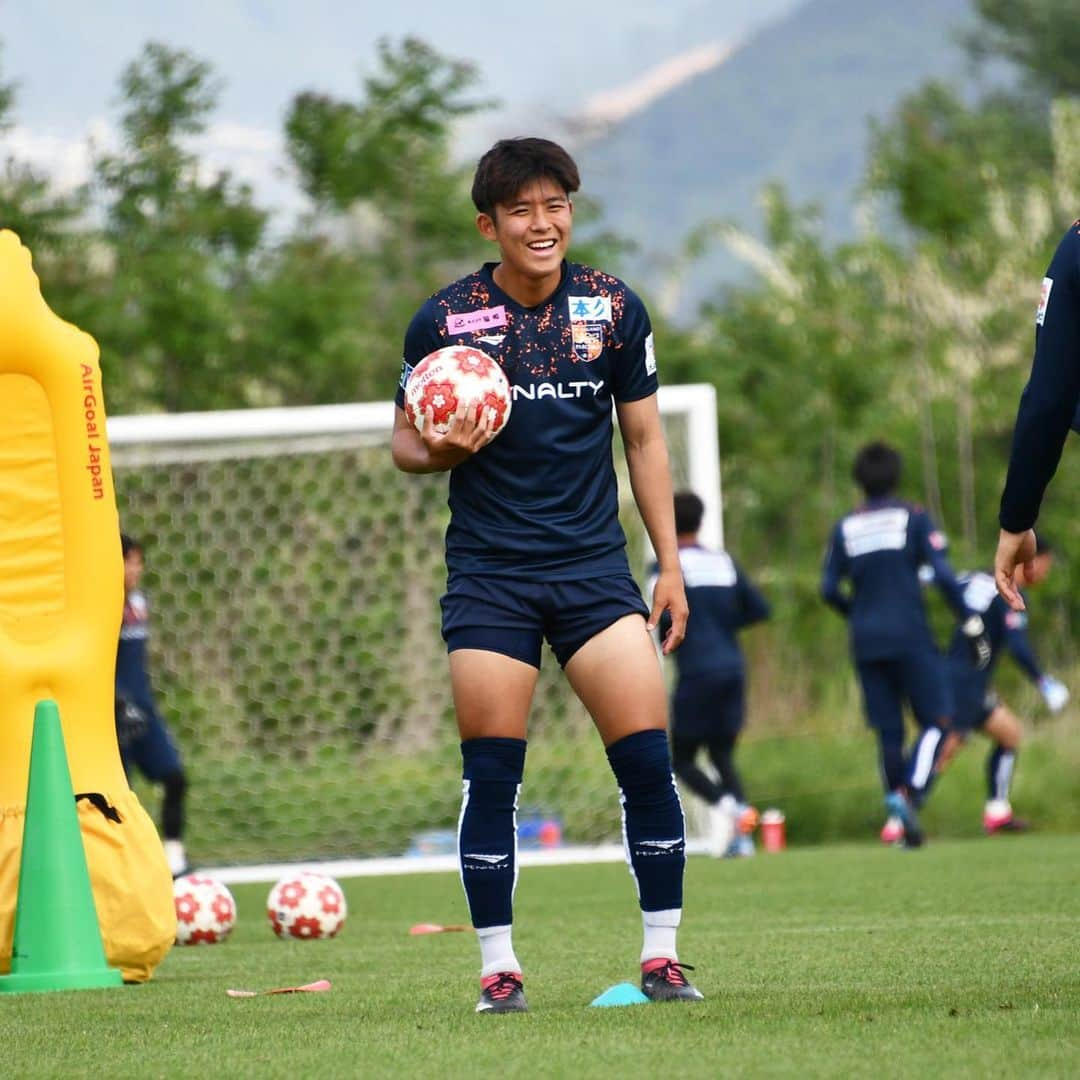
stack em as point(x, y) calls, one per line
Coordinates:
point(962, 959)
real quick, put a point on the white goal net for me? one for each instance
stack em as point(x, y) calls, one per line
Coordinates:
point(294, 577)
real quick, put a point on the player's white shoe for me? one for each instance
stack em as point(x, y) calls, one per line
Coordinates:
point(892, 832)
point(721, 829)
point(998, 817)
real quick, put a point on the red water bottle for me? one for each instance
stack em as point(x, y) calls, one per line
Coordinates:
point(773, 836)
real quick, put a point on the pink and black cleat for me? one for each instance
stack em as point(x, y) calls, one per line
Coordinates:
point(663, 980)
point(502, 993)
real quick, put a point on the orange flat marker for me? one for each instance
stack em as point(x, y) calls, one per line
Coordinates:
point(311, 988)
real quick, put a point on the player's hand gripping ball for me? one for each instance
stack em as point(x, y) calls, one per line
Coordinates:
point(306, 905)
point(205, 910)
point(455, 374)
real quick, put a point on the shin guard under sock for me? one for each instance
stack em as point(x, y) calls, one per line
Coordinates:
point(654, 832)
point(487, 829)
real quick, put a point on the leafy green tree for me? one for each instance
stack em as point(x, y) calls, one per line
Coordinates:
point(390, 222)
point(183, 245)
point(941, 159)
point(1041, 36)
point(803, 362)
point(43, 218)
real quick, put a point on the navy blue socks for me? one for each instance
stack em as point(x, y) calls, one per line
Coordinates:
point(487, 831)
point(653, 826)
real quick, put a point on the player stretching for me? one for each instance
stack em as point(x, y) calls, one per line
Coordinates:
point(708, 706)
point(978, 707)
point(534, 548)
point(879, 548)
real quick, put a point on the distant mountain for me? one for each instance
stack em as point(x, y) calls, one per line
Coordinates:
point(542, 69)
point(792, 104)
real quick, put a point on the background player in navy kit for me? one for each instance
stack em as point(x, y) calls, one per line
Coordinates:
point(708, 707)
point(978, 707)
point(1048, 406)
point(534, 548)
point(879, 548)
point(145, 741)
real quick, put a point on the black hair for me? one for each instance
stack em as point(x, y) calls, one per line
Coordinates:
point(689, 510)
point(877, 469)
point(128, 544)
point(512, 164)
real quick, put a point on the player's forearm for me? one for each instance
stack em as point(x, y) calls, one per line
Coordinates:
point(650, 481)
point(1038, 440)
point(951, 589)
point(831, 594)
point(412, 455)
point(1023, 655)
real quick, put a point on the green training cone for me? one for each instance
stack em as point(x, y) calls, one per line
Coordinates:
point(57, 943)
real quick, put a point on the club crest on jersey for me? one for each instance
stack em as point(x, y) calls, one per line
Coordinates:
point(590, 309)
point(471, 321)
point(588, 340)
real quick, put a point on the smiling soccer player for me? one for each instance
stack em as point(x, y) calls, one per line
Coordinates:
point(534, 549)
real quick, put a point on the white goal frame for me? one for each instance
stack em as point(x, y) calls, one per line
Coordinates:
point(161, 441)
point(696, 401)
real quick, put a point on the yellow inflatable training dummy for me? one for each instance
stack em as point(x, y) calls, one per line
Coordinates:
point(61, 602)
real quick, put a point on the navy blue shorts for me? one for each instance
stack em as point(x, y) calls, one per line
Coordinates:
point(703, 707)
point(973, 697)
point(917, 677)
point(503, 615)
point(153, 753)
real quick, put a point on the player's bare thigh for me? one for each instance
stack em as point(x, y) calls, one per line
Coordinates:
point(617, 676)
point(492, 694)
point(1004, 728)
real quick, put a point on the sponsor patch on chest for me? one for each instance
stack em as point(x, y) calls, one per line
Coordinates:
point(590, 309)
point(467, 322)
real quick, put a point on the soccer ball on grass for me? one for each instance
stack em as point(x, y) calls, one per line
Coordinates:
point(306, 905)
point(455, 374)
point(205, 910)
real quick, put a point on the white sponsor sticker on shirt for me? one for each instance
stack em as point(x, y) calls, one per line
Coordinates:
point(1044, 299)
point(650, 356)
point(980, 591)
point(702, 569)
point(875, 530)
point(590, 308)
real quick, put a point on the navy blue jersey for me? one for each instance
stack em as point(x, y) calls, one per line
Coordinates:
point(879, 549)
point(541, 501)
point(1050, 399)
point(722, 601)
point(1004, 628)
point(132, 678)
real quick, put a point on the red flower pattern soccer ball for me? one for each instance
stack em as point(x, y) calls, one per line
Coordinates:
point(451, 375)
point(306, 905)
point(205, 910)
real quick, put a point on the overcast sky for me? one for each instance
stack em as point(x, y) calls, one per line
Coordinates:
point(542, 61)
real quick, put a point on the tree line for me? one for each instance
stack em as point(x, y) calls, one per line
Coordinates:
point(919, 331)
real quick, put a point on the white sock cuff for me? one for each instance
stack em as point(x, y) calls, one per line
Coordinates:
point(659, 937)
point(671, 917)
point(496, 950)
